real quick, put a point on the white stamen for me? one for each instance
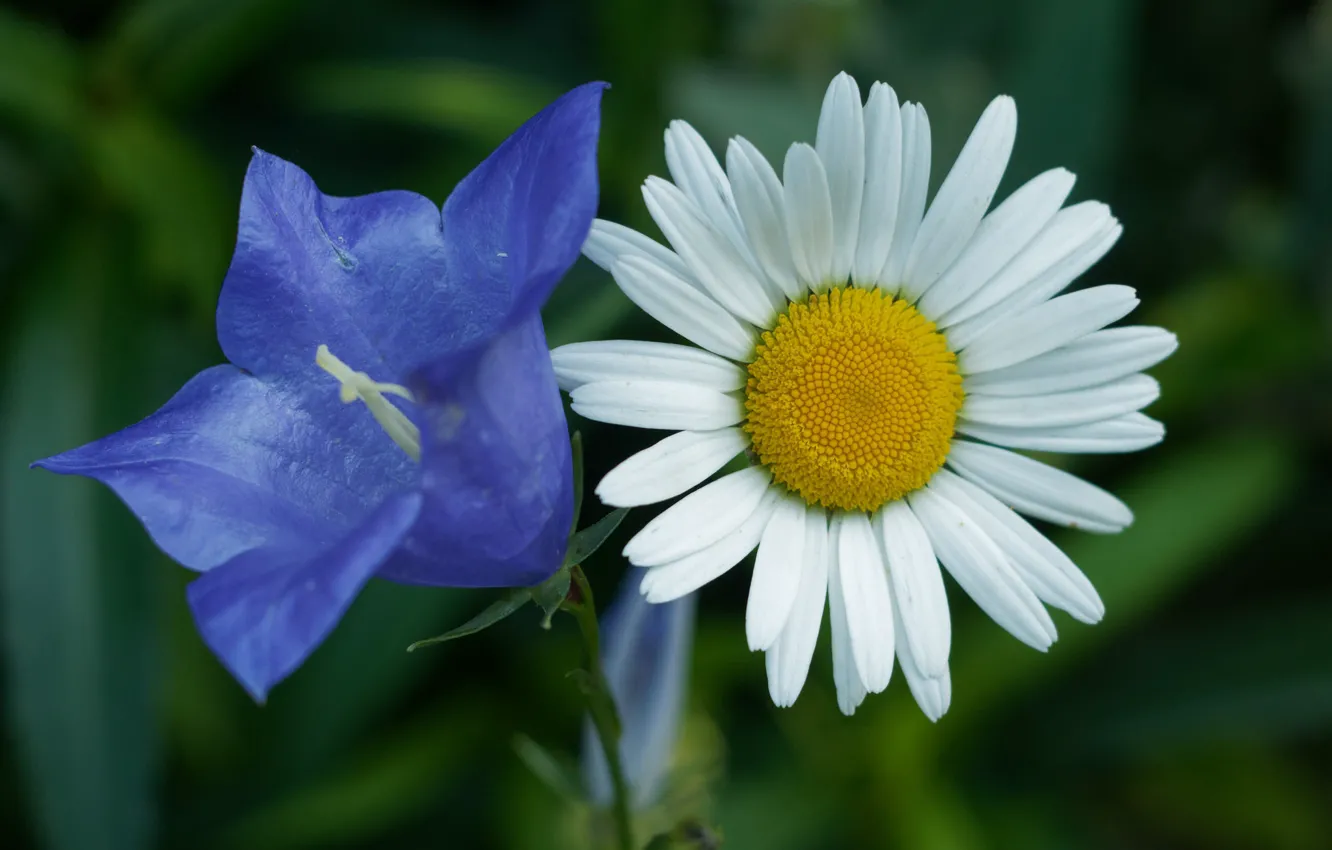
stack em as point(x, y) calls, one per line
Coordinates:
point(358, 386)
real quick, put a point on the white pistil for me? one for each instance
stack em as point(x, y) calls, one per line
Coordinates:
point(358, 386)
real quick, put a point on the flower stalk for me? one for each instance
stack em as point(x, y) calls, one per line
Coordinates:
point(601, 703)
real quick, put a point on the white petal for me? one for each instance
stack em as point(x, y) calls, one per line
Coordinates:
point(1056, 410)
point(777, 570)
point(695, 169)
point(915, 187)
point(981, 569)
point(841, 146)
point(963, 197)
point(1096, 358)
point(673, 580)
point(608, 242)
point(681, 307)
point(700, 519)
point(933, 693)
point(1130, 433)
point(1041, 564)
point(1057, 279)
point(1059, 248)
point(1044, 327)
point(998, 239)
point(867, 600)
point(1039, 490)
point(809, 216)
point(670, 467)
point(720, 270)
point(789, 658)
point(588, 362)
point(1036, 293)
point(759, 198)
point(660, 405)
point(918, 588)
point(883, 184)
point(850, 689)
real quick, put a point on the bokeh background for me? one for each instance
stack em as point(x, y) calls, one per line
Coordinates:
point(1197, 715)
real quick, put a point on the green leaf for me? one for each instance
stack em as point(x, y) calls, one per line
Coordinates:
point(1255, 675)
point(357, 678)
point(1226, 349)
point(498, 610)
point(554, 773)
point(185, 217)
point(397, 781)
point(586, 542)
point(551, 593)
point(39, 75)
point(1232, 794)
point(79, 597)
point(1073, 117)
point(180, 48)
point(483, 103)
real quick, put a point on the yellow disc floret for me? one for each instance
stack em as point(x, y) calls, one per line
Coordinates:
point(852, 399)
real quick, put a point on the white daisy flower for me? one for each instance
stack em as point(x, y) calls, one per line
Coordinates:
point(877, 361)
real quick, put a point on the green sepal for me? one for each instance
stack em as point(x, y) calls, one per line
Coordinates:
point(555, 773)
point(498, 610)
point(551, 593)
point(584, 543)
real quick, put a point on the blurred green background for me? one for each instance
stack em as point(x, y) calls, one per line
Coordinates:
point(1197, 715)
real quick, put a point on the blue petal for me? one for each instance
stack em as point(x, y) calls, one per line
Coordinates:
point(646, 650)
point(382, 279)
point(231, 463)
point(517, 223)
point(264, 611)
point(361, 275)
point(496, 469)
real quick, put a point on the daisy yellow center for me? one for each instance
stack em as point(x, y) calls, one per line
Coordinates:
point(358, 386)
point(852, 399)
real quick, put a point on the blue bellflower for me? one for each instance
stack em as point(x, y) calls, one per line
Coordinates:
point(646, 649)
point(390, 408)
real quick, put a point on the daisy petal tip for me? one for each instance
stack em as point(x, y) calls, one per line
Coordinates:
point(759, 638)
point(1063, 179)
point(1002, 110)
point(934, 699)
point(881, 89)
point(781, 695)
point(653, 186)
point(1120, 518)
point(844, 85)
point(612, 498)
point(799, 150)
point(1088, 616)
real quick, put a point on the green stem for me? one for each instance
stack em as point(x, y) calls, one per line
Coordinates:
point(601, 706)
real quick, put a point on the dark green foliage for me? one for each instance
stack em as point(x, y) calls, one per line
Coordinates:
point(1196, 716)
